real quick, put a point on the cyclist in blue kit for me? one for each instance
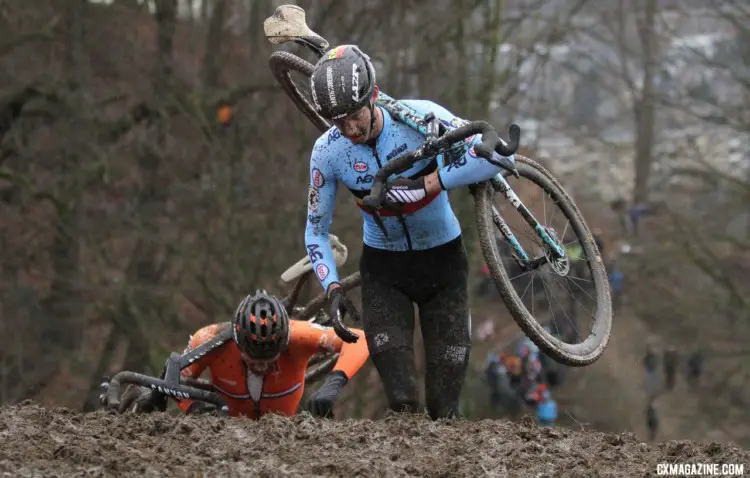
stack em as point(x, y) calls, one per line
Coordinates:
point(411, 255)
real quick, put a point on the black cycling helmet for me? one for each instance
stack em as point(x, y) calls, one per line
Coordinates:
point(261, 326)
point(342, 82)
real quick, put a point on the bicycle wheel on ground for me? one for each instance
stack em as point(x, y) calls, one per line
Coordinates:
point(549, 300)
point(293, 74)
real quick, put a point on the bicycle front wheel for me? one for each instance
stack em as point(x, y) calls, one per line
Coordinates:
point(571, 286)
point(293, 74)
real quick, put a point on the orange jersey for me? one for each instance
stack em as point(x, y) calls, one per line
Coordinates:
point(279, 391)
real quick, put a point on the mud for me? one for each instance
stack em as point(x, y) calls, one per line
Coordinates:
point(35, 441)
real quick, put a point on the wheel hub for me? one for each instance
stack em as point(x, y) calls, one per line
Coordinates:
point(561, 265)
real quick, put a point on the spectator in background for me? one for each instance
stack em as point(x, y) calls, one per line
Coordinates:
point(695, 369)
point(502, 395)
point(635, 214)
point(652, 421)
point(553, 371)
point(618, 207)
point(494, 372)
point(513, 366)
point(546, 407)
point(597, 235)
point(616, 279)
point(651, 370)
point(531, 369)
point(670, 367)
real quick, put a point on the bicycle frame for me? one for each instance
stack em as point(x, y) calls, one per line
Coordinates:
point(499, 183)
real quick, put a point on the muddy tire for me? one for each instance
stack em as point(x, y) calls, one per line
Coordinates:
point(573, 354)
point(293, 74)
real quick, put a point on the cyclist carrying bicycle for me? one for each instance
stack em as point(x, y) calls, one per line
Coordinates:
point(260, 368)
point(413, 255)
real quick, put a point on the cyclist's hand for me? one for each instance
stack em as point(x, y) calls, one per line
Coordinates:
point(103, 387)
point(321, 402)
point(340, 306)
point(139, 399)
point(405, 190)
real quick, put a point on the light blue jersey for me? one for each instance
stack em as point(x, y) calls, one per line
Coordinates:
point(423, 225)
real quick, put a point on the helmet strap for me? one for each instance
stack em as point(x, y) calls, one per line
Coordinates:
point(372, 121)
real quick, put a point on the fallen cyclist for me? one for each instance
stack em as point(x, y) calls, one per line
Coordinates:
point(260, 367)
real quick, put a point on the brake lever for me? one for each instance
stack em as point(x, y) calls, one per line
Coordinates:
point(433, 133)
point(342, 331)
point(505, 163)
point(379, 222)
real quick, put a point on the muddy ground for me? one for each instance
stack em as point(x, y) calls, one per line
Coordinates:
point(36, 441)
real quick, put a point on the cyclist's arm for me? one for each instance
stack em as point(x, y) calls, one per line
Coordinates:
point(321, 200)
point(196, 369)
point(471, 169)
point(314, 338)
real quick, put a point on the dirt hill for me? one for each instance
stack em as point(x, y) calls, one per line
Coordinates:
point(60, 442)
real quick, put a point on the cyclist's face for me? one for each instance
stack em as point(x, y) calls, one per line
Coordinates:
point(356, 126)
point(258, 367)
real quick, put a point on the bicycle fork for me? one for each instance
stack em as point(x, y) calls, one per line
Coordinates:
point(499, 183)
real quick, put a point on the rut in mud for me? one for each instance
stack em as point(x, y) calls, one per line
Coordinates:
point(60, 442)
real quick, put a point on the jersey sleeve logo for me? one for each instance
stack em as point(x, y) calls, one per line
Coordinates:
point(360, 166)
point(322, 271)
point(317, 178)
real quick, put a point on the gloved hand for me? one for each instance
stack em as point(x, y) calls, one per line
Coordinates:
point(139, 399)
point(321, 402)
point(340, 306)
point(405, 190)
point(103, 387)
point(136, 399)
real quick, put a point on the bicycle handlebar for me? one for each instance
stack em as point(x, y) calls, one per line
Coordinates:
point(433, 144)
point(342, 330)
point(175, 390)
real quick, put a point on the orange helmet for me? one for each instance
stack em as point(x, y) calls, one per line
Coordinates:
point(261, 326)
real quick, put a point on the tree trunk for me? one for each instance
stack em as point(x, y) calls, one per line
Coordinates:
point(644, 108)
point(204, 10)
point(259, 10)
point(63, 306)
point(494, 14)
point(166, 18)
point(212, 53)
point(75, 64)
point(462, 98)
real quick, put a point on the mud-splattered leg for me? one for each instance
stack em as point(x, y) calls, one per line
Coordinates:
point(388, 322)
point(446, 328)
point(447, 342)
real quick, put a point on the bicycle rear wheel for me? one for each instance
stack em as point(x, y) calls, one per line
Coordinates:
point(584, 260)
point(293, 74)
